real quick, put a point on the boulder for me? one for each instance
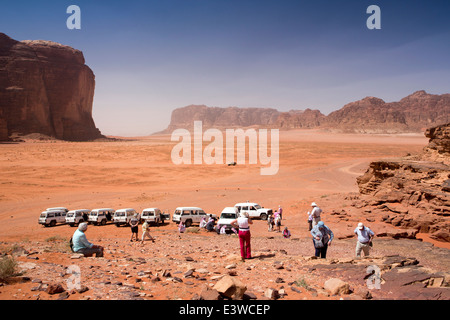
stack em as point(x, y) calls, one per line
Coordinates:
point(231, 287)
point(55, 289)
point(336, 286)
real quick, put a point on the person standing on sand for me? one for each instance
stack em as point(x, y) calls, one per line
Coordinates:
point(280, 211)
point(270, 222)
point(365, 236)
point(82, 245)
point(322, 237)
point(243, 223)
point(315, 214)
point(278, 221)
point(134, 224)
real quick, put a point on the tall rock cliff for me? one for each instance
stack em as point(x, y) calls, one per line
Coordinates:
point(45, 87)
point(413, 113)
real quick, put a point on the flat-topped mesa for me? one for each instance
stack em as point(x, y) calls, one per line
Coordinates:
point(45, 87)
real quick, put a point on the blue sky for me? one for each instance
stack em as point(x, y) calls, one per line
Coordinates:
point(150, 57)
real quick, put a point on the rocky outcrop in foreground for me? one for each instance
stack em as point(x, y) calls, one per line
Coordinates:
point(413, 113)
point(414, 192)
point(45, 88)
point(211, 271)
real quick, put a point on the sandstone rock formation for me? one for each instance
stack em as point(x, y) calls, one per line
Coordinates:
point(413, 192)
point(413, 113)
point(221, 117)
point(46, 88)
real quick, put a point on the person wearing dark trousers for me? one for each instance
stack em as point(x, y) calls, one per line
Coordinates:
point(322, 237)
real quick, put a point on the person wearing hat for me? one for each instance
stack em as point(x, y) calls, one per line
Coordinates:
point(82, 245)
point(315, 214)
point(365, 236)
point(322, 237)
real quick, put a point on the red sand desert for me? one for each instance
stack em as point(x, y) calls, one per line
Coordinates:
point(138, 173)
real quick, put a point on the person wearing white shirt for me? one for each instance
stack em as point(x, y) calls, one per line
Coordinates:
point(365, 236)
point(315, 214)
point(243, 223)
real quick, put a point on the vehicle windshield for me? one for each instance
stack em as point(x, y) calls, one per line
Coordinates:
point(93, 214)
point(178, 212)
point(148, 213)
point(257, 206)
point(70, 214)
point(228, 215)
point(120, 214)
point(43, 215)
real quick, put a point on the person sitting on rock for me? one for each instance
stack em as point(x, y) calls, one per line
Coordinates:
point(210, 224)
point(82, 245)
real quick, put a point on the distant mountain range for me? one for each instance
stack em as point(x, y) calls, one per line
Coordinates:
point(413, 113)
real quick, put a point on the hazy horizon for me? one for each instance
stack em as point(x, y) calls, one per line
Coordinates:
point(152, 57)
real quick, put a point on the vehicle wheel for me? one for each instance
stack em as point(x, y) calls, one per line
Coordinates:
point(263, 216)
point(52, 223)
point(188, 223)
point(103, 222)
point(117, 225)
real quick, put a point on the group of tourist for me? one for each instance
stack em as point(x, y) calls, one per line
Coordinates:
point(321, 234)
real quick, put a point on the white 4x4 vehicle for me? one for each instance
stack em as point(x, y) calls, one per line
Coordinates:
point(101, 216)
point(123, 216)
point(153, 215)
point(75, 217)
point(52, 216)
point(226, 217)
point(254, 210)
point(190, 215)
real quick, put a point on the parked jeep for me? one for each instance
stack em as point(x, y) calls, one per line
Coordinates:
point(254, 210)
point(123, 216)
point(75, 217)
point(189, 215)
point(153, 215)
point(52, 217)
point(226, 217)
point(101, 216)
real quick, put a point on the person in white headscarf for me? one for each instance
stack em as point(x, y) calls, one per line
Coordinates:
point(82, 245)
